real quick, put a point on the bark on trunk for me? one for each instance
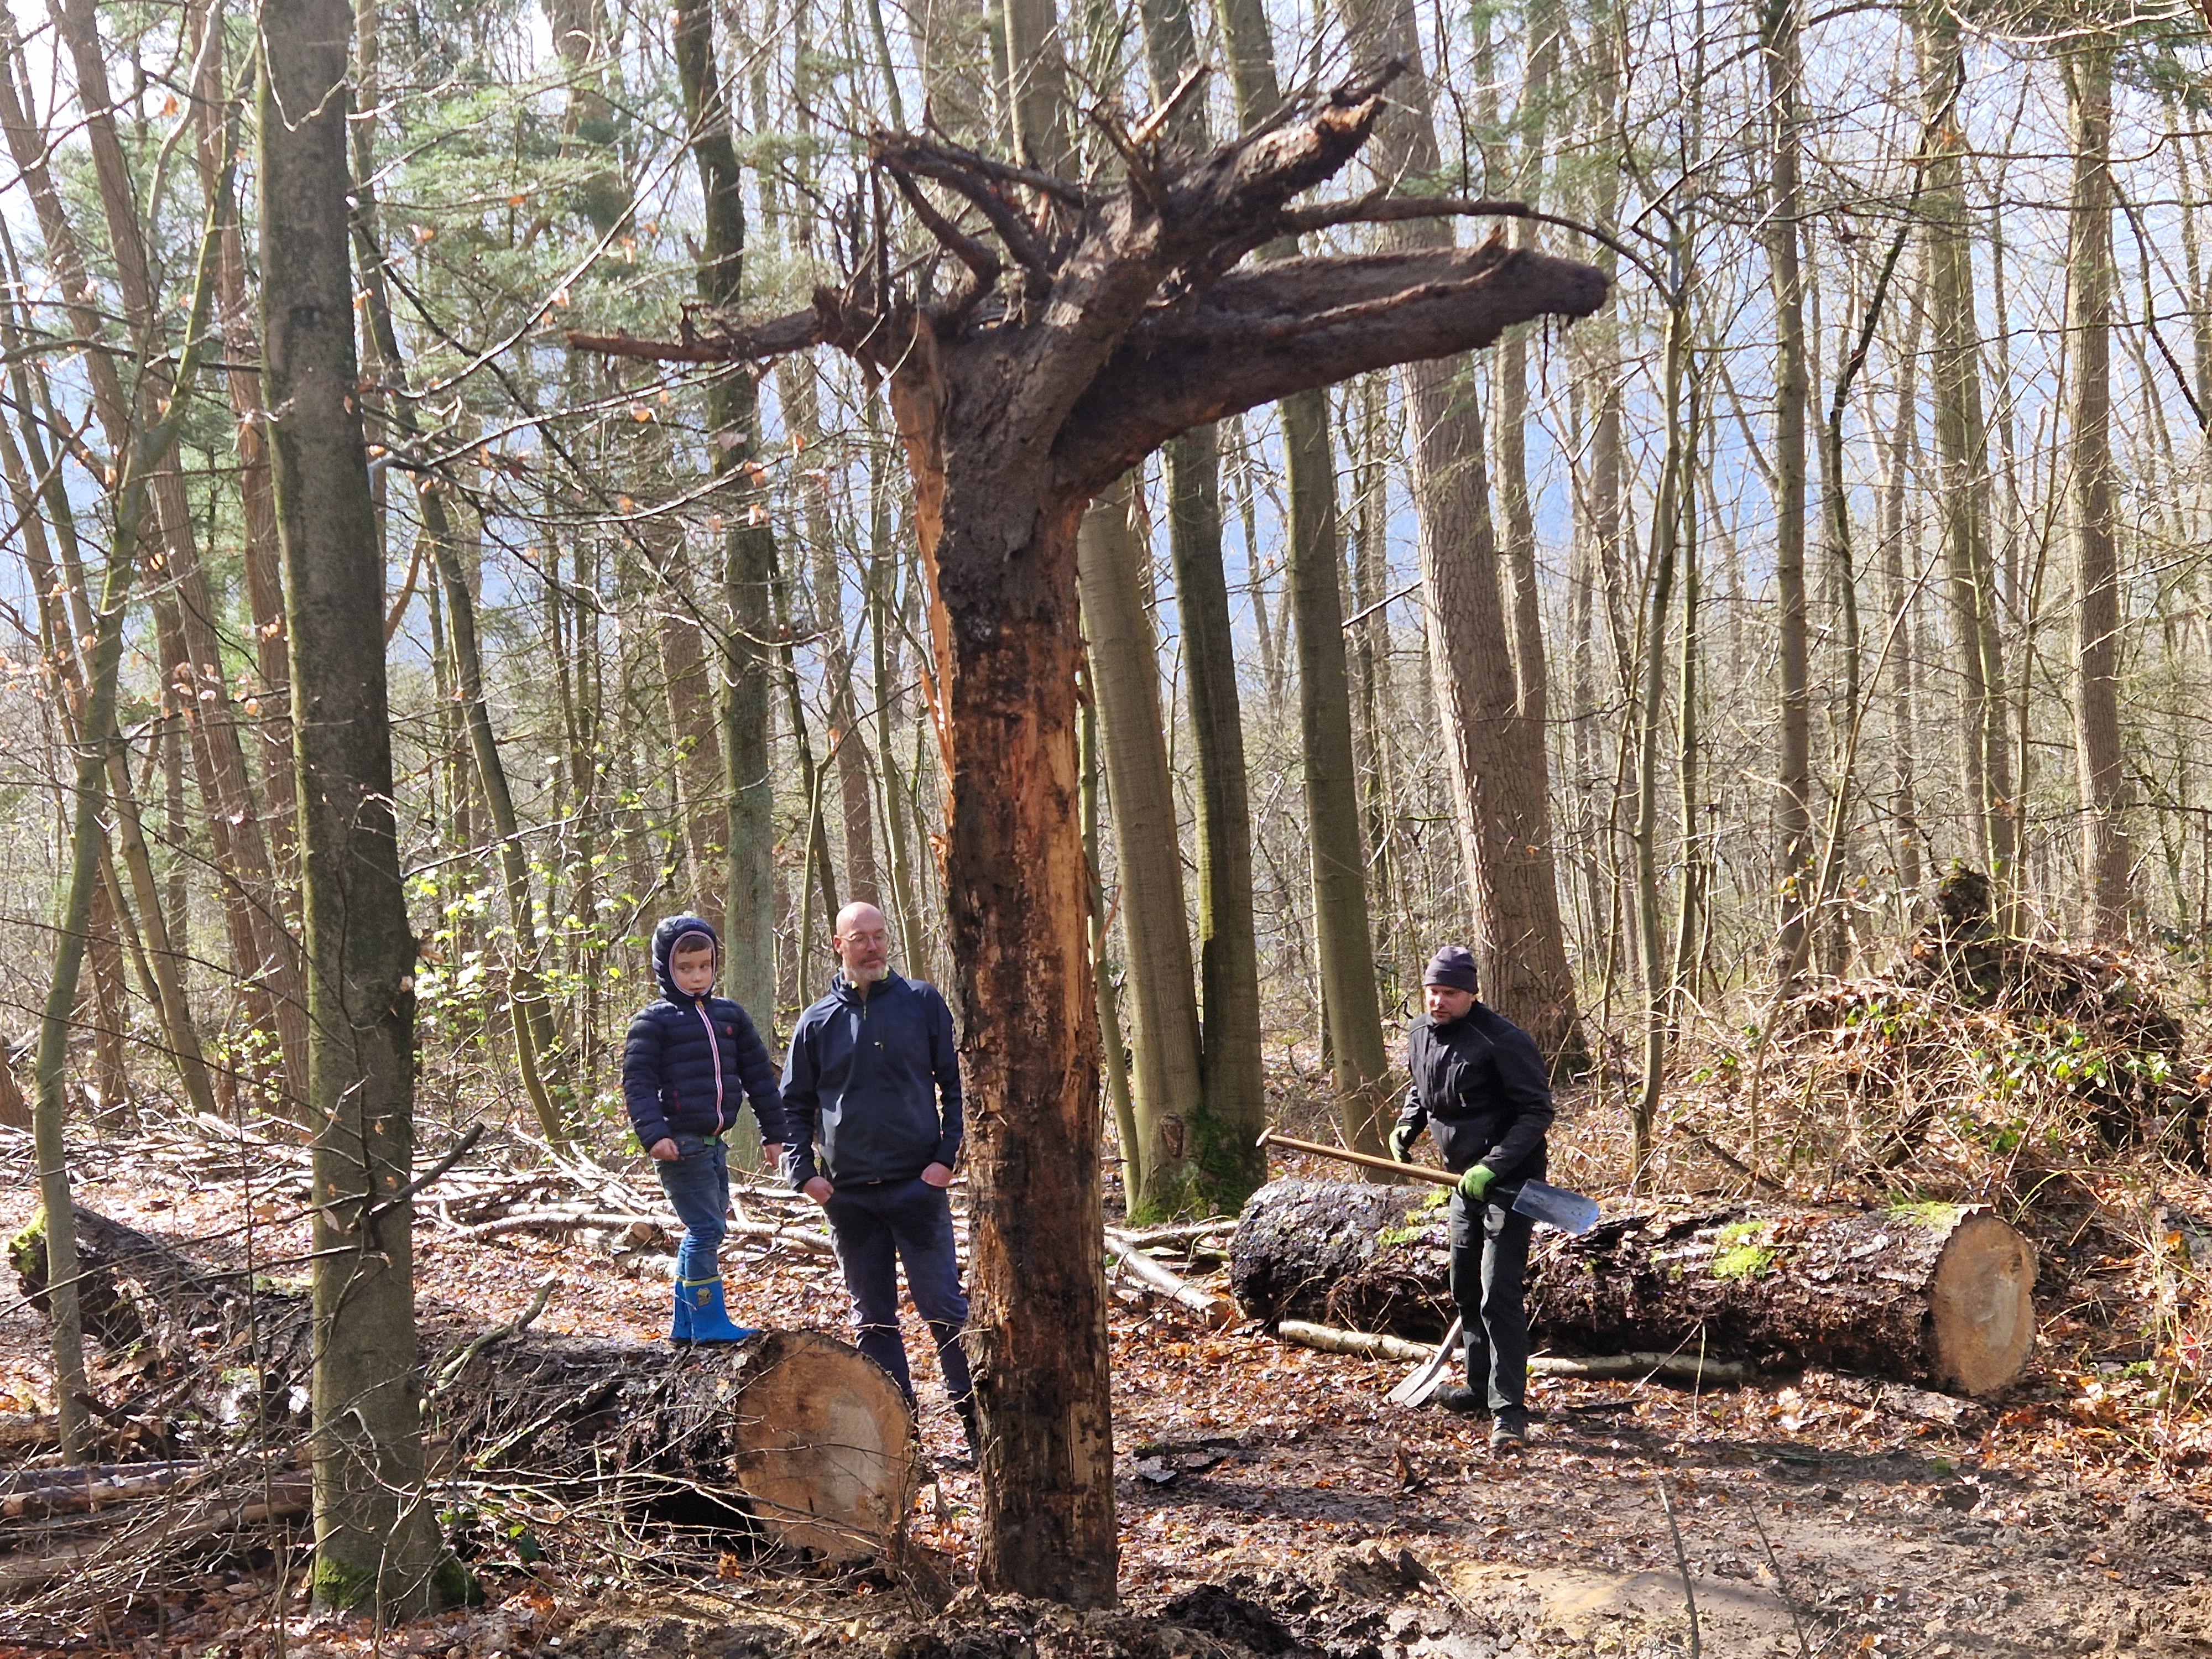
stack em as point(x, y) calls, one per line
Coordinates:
point(1962, 456)
point(748, 545)
point(376, 1542)
point(1148, 854)
point(1793, 795)
point(1933, 1294)
point(1495, 743)
point(2105, 859)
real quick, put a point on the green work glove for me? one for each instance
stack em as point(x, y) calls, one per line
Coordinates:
point(1401, 1142)
point(1475, 1182)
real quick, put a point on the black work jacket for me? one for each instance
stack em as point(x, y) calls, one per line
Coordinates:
point(1479, 1087)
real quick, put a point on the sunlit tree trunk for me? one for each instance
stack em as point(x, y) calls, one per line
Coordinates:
point(2105, 855)
point(376, 1539)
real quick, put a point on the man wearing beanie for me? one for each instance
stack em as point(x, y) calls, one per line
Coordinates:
point(1479, 1087)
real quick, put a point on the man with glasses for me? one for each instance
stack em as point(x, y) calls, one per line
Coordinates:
point(871, 1090)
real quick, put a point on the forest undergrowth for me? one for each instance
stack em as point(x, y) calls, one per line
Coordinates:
point(1271, 1502)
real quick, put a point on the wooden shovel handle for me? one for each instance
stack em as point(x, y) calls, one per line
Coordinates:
point(1419, 1171)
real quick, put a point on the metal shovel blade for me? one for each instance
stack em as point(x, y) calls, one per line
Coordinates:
point(1426, 1377)
point(1555, 1207)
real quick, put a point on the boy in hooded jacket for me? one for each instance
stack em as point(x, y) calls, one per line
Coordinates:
point(688, 1058)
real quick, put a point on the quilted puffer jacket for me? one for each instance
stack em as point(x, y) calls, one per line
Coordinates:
point(689, 1061)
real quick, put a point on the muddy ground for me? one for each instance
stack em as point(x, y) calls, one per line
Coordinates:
point(1271, 1502)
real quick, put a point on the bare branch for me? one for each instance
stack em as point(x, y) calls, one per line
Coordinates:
point(1380, 210)
point(918, 156)
point(795, 333)
point(985, 265)
point(1258, 335)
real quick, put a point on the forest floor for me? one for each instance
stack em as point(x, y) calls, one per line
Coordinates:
point(1271, 1502)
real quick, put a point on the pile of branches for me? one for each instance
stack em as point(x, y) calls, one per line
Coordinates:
point(1981, 1060)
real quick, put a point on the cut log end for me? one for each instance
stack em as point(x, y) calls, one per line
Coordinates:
point(824, 1446)
point(1981, 1305)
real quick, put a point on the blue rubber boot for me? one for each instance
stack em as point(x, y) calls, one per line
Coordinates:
point(679, 1324)
point(708, 1314)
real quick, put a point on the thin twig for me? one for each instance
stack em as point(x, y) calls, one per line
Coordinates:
point(1682, 1560)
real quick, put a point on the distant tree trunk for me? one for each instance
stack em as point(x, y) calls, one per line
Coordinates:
point(691, 696)
point(2106, 856)
point(1495, 745)
point(1962, 457)
point(376, 1535)
point(537, 1043)
point(747, 545)
point(1343, 941)
point(1903, 593)
point(1232, 1106)
point(1124, 680)
point(1793, 796)
point(235, 819)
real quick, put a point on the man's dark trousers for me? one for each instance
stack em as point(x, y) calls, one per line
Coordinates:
point(876, 1226)
point(1489, 1262)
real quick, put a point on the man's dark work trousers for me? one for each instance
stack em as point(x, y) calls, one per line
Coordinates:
point(1489, 1260)
point(876, 1227)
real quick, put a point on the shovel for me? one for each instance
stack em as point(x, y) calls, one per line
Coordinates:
point(1426, 1377)
point(1572, 1213)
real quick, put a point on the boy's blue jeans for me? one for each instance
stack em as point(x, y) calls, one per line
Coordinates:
point(876, 1227)
point(698, 1186)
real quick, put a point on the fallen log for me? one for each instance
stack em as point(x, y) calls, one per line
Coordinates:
point(1937, 1295)
point(1612, 1367)
point(791, 1434)
point(1217, 1310)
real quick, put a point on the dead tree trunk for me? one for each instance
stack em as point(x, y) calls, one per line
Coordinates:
point(1933, 1293)
point(1127, 324)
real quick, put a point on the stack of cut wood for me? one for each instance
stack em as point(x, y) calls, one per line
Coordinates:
point(1938, 1295)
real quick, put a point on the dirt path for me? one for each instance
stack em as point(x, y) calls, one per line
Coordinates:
point(1271, 1501)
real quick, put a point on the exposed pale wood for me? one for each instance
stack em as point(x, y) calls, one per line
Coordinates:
point(1217, 1310)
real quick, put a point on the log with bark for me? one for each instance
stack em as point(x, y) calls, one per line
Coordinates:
point(792, 1434)
point(1933, 1294)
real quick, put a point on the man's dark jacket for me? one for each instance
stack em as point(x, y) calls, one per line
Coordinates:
point(689, 1061)
point(1480, 1088)
point(872, 1089)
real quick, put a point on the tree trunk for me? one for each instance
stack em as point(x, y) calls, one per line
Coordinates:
point(1962, 456)
point(2105, 857)
point(1230, 1107)
point(234, 815)
point(1937, 1294)
point(376, 1541)
point(1495, 743)
point(1793, 795)
point(1006, 649)
point(1124, 680)
point(748, 545)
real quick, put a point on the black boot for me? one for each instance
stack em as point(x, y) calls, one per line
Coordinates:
point(966, 1410)
point(1474, 1400)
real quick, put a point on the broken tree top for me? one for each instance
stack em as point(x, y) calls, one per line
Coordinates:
point(1104, 319)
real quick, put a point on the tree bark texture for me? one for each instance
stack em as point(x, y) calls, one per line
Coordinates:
point(747, 545)
point(2093, 493)
point(1933, 1294)
point(1125, 679)
point(1495, 742)
point(1793, 793)
point(376, 1537)
point(1231, 1108)
point(1962, 453)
